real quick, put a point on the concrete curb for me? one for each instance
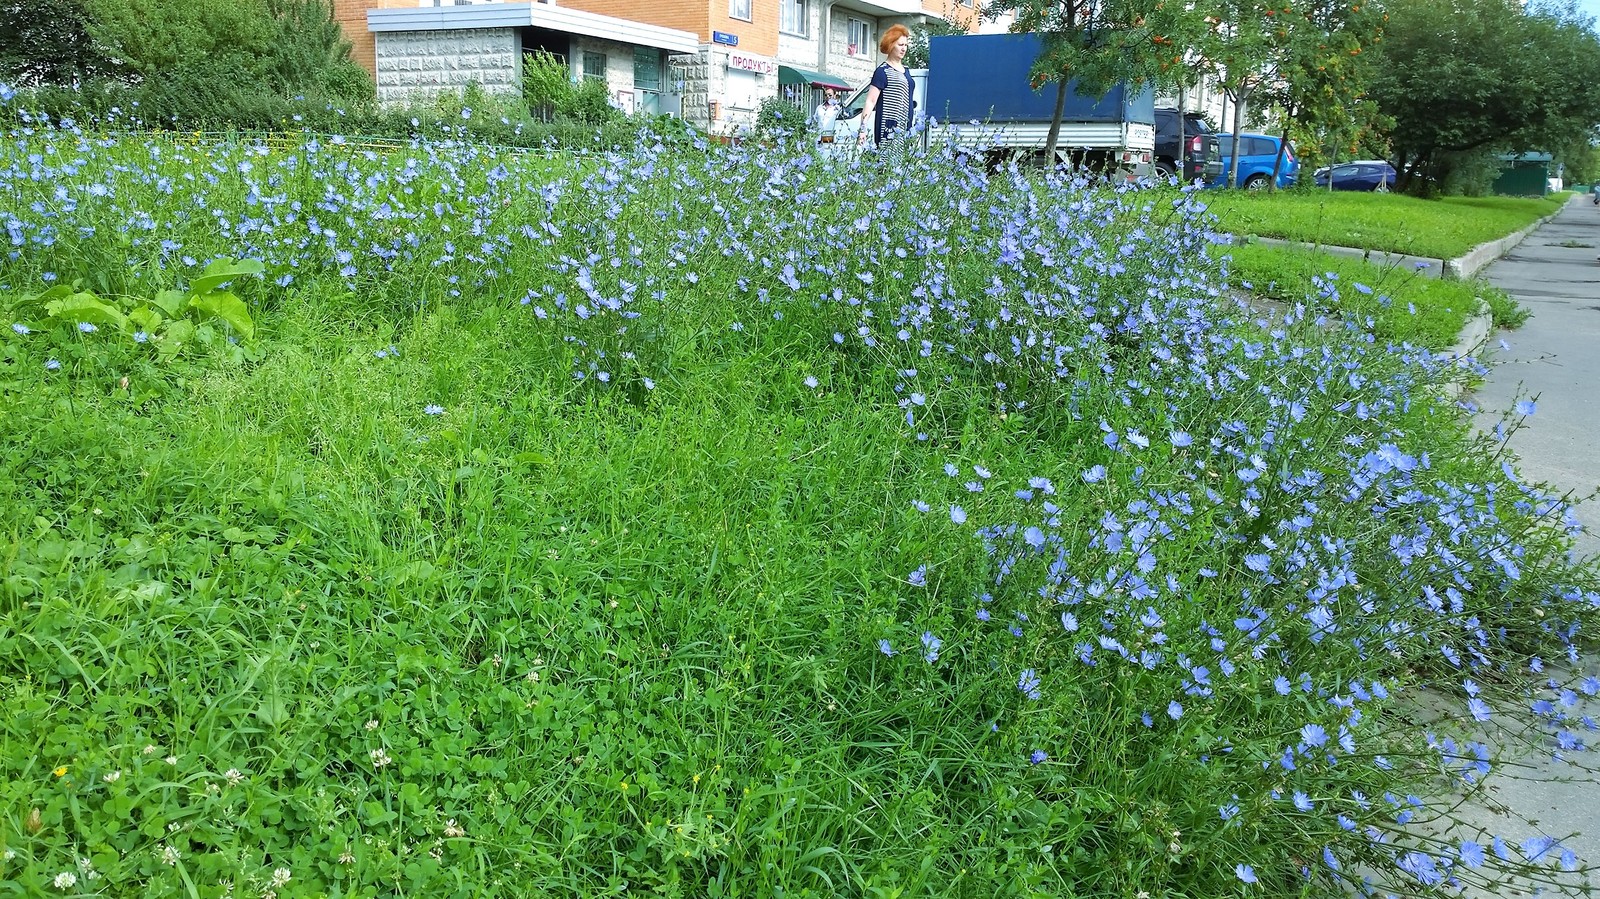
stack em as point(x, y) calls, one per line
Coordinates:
point(1427, 267)
point(1478, 258)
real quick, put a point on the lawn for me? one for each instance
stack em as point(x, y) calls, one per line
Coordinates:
point(720, 521)
point(1392, 302)
point(1435, 229)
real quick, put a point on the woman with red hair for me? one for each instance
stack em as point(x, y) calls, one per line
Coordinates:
point(891, 94)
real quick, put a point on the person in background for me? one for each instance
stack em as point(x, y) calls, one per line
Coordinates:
point(891, 96)
point(826, 115)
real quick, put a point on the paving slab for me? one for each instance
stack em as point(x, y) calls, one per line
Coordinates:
point(1554, 360)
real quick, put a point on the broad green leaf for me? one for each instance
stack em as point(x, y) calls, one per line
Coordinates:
point(41, 300)
point(86, 307)
point(221, 271)
point(224, 305)
point(171, 302)
point(146, 319)
point(175, 337)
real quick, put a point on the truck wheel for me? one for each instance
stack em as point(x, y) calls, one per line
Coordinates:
point(1256, 182)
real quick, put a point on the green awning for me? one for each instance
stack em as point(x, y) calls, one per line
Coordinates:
point(792, 75)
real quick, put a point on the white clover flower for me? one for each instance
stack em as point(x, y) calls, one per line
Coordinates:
point(233, 776)
point(380, 758)
point(112, 777)
point(452, 829)
point(66, 880)
point(170, 855)
point(280, 876)
point(372, 724)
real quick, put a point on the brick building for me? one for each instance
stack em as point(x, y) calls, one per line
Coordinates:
point(710, 61)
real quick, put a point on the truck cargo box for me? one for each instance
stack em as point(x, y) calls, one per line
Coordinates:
point(985, 78)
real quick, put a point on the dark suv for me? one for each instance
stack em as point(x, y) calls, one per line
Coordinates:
point(1195, 131)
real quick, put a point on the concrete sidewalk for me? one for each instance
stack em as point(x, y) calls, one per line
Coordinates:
point(1554, 359)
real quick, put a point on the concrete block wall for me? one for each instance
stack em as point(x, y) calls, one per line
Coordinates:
point(415, 65)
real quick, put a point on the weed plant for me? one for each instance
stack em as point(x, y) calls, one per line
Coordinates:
point(725, 521)
point(1435, 229)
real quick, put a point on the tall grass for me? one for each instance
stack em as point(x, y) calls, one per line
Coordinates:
point(723, 522)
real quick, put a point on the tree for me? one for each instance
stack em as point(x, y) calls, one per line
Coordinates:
point(917, 53)
point(1323, 64)
point(281, 47)
point(1467, 77)
point(1100, 43)
point(47, 42)
point(1236, 50)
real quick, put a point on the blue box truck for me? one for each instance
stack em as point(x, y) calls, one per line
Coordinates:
point(977, 92)
point(980, 92)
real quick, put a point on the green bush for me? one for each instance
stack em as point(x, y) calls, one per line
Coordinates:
point(778, 120)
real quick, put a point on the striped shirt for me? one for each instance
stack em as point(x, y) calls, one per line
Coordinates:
point(895, 102)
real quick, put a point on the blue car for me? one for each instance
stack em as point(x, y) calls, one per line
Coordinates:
point(1362, 174)
point(1255, 163)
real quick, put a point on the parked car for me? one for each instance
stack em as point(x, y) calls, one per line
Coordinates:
point(1362, 174)
point(1195, 152)
point(1255, 163)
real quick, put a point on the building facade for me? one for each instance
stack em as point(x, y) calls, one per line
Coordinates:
point(711, 62)
point(754, 49)
point(416, 49)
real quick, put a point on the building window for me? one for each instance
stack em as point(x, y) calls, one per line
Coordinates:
point(792, 18)
point(859, 34)
point(739, 9)
point(594, 66)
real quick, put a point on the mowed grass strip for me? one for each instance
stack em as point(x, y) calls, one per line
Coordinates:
point(1437, 229)
point(1393, 302)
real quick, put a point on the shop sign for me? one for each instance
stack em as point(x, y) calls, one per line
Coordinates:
point(751, 64)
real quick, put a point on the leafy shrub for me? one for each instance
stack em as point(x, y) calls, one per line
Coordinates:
point(778, 120)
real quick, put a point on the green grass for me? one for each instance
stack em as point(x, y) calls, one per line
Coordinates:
point(1392, 301)
point(590, 532)
point(1434, 229)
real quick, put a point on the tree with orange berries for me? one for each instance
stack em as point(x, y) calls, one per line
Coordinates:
point(1324, 49)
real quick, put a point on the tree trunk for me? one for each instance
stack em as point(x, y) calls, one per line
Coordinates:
point(1238, 126)
point(1055, 124)
point(1182, 162)
point(1283, 147)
